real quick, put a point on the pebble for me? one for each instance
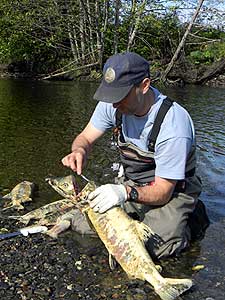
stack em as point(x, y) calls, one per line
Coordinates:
point(39, 269)
point(198, 267)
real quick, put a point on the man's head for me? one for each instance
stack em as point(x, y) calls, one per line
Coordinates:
point(120, 74)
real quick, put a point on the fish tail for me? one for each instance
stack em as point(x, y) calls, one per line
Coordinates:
point(8, 207)
point(172, 288)
point(15, 217)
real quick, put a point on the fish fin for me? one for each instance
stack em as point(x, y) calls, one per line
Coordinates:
point(172, 288)
point(158, 268)
point(58, 228)
point(29, 199)
point(7, 196)
point(144, 231)
point(7, 207)
point(13, 206)
point(112, 262)
point(20, 219)
point(19, 207)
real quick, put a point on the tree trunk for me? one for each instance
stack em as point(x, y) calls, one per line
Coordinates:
point(214, 70)
point(117, 8)
point(101, 27)
point(82, 36)
point(98, 32)
point(70, 31)
point(90, 31)
point(136, 24)
point(182, 42)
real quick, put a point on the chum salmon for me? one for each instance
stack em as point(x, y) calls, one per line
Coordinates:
point(21, 193)
point(125, 238)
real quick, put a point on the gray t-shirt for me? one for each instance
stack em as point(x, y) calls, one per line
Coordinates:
point(174, 141)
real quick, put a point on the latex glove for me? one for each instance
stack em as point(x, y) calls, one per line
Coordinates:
point(107, 196)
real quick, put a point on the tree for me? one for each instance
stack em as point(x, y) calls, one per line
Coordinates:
point(182, 42)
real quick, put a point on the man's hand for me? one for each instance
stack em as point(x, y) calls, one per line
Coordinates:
point(81, 147)
point(107, 196)
point(75, 160)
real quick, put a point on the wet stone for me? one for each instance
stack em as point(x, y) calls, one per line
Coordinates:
point(39, 268)
point(4, 285)
point(41, 292)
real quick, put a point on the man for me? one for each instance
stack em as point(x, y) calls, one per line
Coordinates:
point(156, 141)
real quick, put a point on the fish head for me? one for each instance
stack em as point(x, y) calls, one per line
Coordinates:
point(66, 186)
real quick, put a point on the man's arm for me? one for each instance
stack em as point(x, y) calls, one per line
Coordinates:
point(109, 195)
point(157, 194)
point(81, 147)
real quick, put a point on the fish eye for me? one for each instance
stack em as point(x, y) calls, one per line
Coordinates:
point(65, 184)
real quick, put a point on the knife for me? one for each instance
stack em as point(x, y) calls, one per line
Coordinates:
point(24, 231)
point(85, 178)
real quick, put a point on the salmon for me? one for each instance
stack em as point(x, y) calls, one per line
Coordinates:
point(21, 193)
point(125, 238)
point(49, 213)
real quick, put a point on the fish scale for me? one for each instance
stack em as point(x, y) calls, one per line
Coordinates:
point(21, 193)
point(125, 239)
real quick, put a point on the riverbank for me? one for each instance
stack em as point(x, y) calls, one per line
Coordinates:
point(217, 81)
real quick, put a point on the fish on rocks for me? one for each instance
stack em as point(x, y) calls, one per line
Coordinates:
point(48, 214)
point(125, 239)
point(21, 193)
point(66, 220)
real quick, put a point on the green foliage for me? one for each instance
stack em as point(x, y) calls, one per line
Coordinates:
point(208, 54)
point(23, 39)
point(157, 37)
point(37, 33)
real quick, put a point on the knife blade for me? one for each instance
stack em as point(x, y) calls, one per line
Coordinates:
point(85, 178)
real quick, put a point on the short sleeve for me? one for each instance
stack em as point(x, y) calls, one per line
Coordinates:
point(103, 116)
point(170, 158)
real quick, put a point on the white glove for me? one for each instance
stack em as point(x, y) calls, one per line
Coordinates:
point(107, 196)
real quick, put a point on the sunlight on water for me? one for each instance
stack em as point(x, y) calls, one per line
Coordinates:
point(207, 106)
point(38, 121)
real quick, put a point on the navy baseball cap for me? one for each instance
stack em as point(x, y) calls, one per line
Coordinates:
point(120, 73)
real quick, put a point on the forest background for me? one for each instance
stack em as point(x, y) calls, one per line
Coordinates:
point(70, 39)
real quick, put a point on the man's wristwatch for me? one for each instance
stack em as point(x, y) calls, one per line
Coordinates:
point(133, 195)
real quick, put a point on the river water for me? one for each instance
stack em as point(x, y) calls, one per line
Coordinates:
point(38, 121)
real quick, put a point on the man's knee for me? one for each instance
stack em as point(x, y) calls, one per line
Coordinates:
point(198, 221)
point(158, 248)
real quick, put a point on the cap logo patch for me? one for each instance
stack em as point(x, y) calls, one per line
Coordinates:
point(110, 75)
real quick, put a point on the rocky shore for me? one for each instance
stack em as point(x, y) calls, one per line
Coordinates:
point(75, 267)
point(72, 267)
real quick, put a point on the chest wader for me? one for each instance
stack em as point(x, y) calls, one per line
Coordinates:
point(180, 220)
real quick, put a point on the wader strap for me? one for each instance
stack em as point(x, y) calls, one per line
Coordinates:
point(118, 119)
point(117, 129)
point(165, 106)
